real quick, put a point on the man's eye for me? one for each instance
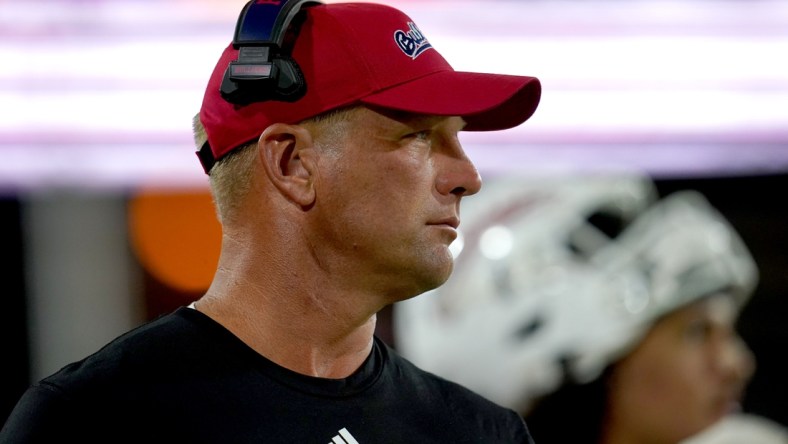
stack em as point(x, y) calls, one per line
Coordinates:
point(421, 135)
point(698, 330)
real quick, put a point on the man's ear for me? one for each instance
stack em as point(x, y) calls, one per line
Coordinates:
point(288, 157)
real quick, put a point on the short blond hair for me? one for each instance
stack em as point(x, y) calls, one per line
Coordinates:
point(231, 177)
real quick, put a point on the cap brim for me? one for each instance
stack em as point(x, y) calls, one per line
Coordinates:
point(487, 102)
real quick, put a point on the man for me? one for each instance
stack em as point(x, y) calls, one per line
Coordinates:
point(338, 187)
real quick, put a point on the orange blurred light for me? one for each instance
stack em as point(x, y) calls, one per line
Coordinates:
point(176, 236)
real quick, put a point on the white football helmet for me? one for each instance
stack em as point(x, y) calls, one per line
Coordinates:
point(557, 277)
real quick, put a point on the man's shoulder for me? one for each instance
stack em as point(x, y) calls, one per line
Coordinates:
point(454, 402)
point(428, 380)
point(155, 346)
point(105, 385)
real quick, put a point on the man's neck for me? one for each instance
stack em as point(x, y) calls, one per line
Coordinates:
point(297, 332)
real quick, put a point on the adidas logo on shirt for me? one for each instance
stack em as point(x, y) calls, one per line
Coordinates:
point(344, 437)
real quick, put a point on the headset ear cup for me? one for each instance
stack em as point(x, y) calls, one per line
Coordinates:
point(264, 69)
point(291, 85)
point(230, 90)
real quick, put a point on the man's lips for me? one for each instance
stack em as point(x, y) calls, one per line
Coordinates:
point(452, 222)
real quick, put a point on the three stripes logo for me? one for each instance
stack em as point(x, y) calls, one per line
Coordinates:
point(344, 437)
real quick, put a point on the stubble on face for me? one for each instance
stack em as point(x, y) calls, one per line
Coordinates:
point(377, 201)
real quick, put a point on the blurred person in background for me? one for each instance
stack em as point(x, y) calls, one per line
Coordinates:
point(602, 314)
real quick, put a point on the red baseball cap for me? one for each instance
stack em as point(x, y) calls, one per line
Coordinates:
point(367, 53)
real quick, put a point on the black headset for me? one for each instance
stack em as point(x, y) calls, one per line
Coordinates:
point(264, 69)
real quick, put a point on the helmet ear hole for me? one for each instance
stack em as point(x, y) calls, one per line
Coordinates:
point(533, 326)
point(611, 224)
point(600, 228)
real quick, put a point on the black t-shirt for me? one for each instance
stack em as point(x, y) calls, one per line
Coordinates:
point(184, 378)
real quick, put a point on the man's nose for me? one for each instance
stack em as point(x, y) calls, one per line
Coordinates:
point(460, 176)
point(738, 360)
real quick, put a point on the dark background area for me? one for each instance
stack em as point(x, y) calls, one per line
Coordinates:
point(754, 205)
point(13, 324)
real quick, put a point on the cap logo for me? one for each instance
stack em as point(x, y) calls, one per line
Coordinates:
point(413, 42)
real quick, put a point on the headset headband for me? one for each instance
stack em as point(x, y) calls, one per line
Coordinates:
point(264, 69)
